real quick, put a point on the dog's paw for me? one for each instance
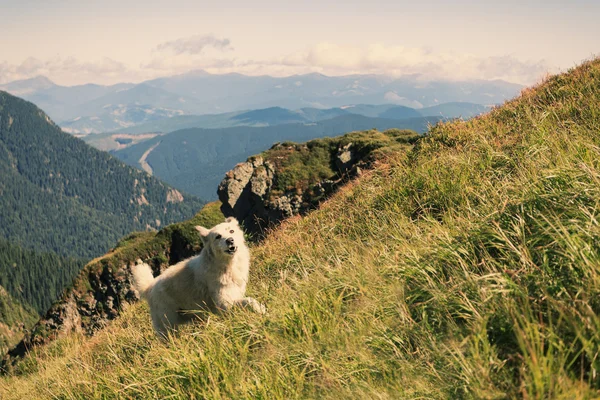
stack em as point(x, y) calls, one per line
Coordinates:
point(260, 308)
point(256, 306)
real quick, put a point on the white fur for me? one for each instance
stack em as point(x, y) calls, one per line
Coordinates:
point(214, 280)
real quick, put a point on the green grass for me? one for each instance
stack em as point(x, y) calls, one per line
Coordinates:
point(300, 166)
point(468, 267)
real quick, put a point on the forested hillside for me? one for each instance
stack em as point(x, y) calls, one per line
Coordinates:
point(60, 195)
point(35, 279)
point(14, 320)
point(30, 282)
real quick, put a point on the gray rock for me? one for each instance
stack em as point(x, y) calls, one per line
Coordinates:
point(345, 158)
point(247, 192)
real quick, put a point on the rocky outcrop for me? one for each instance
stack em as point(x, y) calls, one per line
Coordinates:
point(345, 158)
point(248, 191)
point(174, 196)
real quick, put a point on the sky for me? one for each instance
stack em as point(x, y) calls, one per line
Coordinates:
point(106, 42)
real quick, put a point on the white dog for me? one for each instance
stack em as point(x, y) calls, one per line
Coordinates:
point(214, 280)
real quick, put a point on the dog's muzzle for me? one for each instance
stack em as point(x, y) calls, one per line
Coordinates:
point(232, 248)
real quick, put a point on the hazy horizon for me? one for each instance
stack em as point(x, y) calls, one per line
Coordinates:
point(111, 42)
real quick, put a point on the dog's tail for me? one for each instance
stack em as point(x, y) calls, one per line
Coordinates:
point(142, 278)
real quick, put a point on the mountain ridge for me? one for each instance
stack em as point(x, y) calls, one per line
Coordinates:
point(262, 117)
point(226, 93)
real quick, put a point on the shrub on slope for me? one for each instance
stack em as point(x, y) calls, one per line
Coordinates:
point(468, 268)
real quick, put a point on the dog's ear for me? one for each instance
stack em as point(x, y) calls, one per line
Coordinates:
point(203, 232)
point(232, 219)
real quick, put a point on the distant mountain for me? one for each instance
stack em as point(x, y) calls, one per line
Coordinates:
point(320, 114)
point(195, 160)
point(400, 112)
point(61, 102)
point(232, 92)
point(208, 121)
point(269, 116)
point(203, 93)
point(60, 195)
point(28, 86)
point(117, 117)
point(273, 116)
point(141, 94)
point(454, 110)
point(368, 110)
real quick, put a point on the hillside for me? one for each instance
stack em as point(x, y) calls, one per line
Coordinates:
point(466, 267)
point(30, 281)
point(34, 278)
point(291, 179)
point(195, 160)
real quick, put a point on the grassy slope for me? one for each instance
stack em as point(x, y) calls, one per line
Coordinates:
point(468, 268)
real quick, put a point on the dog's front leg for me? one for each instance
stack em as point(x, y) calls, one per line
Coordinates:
point(249, 302)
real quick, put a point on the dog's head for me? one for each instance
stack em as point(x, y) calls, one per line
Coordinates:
point(223, 239)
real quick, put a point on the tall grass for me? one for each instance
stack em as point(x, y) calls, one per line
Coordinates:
point(468, 267)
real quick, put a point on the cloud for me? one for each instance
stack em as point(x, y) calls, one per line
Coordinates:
point(60, 68)
point(334, 59)
point(194, 44)
point(326, 58)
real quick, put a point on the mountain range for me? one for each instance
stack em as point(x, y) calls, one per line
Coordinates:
point(195, 160)
point(94, 108)
point(271, 117)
